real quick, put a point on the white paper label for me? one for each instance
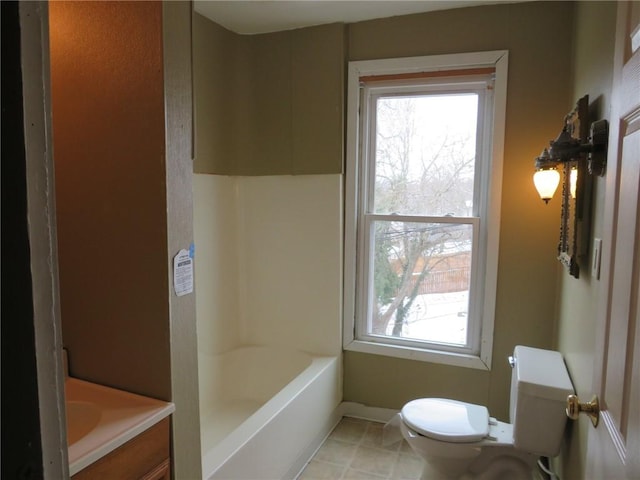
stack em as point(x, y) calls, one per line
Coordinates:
point(183, 273)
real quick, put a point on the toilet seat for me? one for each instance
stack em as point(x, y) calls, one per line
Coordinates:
point(447, 420)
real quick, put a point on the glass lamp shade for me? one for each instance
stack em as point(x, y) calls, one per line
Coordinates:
point(546, 182)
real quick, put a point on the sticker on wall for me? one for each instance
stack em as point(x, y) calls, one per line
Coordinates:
point(183, 273)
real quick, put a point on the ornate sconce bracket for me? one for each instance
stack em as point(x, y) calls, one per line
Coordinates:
point(579, 149)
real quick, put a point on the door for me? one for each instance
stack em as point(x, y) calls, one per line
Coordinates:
point(613, 450)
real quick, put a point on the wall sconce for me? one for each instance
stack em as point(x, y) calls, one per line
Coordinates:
point(567, 148)
point(580, 148)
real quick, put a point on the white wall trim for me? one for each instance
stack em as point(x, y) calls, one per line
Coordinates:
point(176, 23)
point(365, 412)
point(34, 27)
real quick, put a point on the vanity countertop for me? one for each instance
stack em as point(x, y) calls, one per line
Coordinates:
point(101, 419)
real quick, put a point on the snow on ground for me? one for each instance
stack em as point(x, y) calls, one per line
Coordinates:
point(437, 317)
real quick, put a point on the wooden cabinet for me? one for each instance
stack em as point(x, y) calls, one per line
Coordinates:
point(145, 457)
point(162, 472)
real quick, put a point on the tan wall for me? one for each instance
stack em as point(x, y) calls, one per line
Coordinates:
point(538, 94)
point(109, 153)
point(268, 104)
point(220, 74)
point(593, 64)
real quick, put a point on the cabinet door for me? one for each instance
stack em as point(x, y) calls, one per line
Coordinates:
point(134, 460)
point(161, 472)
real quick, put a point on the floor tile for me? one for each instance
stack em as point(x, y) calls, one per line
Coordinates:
point(353, 474)
point(337, 452)
point(407, 467)
point(317, 470)
point(354, 451)
point(373, 437)
point(374, 460)
point(350, 430)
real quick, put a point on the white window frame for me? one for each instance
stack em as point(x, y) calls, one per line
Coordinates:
point(489, 231)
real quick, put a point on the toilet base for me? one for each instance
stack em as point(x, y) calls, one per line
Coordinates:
point(504, 468)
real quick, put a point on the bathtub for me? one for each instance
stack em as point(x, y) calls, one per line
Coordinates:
point(264, 411)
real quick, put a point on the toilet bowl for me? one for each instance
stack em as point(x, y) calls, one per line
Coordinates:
point(492, 457)
point(459, 440)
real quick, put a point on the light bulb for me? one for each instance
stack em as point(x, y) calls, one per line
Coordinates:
point(546, 182)
point(573, 181)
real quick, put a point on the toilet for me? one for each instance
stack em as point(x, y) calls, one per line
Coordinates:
point(459, 440)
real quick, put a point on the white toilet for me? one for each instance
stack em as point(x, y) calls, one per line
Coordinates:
point(460, 440)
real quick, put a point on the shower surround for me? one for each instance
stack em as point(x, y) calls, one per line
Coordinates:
point(268, 291)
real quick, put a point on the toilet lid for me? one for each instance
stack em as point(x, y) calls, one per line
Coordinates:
point(447, 420)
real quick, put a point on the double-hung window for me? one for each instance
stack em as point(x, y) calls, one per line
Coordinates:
point(424, 175)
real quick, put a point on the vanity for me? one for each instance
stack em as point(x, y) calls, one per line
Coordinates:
point(116, 434)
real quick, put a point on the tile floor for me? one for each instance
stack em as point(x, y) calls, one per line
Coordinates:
point(354, 451)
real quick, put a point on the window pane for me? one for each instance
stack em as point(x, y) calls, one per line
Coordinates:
point(425, 154)
point(421, 276)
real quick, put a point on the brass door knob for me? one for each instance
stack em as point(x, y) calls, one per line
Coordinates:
point(575, 408)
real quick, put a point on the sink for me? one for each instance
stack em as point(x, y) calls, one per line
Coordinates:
point(82, 418)
point(100, 419)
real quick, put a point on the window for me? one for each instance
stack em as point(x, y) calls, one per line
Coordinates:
point(424, 175)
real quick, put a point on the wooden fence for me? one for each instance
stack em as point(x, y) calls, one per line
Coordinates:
point(444, 281)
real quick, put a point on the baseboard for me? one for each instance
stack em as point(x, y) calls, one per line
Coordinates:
point(359, 410)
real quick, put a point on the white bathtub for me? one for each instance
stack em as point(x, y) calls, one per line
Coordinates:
point(264, 411)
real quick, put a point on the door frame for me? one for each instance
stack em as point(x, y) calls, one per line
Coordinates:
point(34, 39)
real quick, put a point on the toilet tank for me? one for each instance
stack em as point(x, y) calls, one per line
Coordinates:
point(540, 384)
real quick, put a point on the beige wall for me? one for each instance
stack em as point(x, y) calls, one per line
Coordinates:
point(593, 63)
point(291, 280)
point(538, 94)
point(109, 153)
point(268, 104)
point(541, 89)
point(220, 74)
point(281, 287)
point(216, 222)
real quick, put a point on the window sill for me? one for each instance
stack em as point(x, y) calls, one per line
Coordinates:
point(422, 355)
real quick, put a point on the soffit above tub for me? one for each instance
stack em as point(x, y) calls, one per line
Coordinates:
point(253, 17)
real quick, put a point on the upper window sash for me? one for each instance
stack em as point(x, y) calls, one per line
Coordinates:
point(370, 94)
